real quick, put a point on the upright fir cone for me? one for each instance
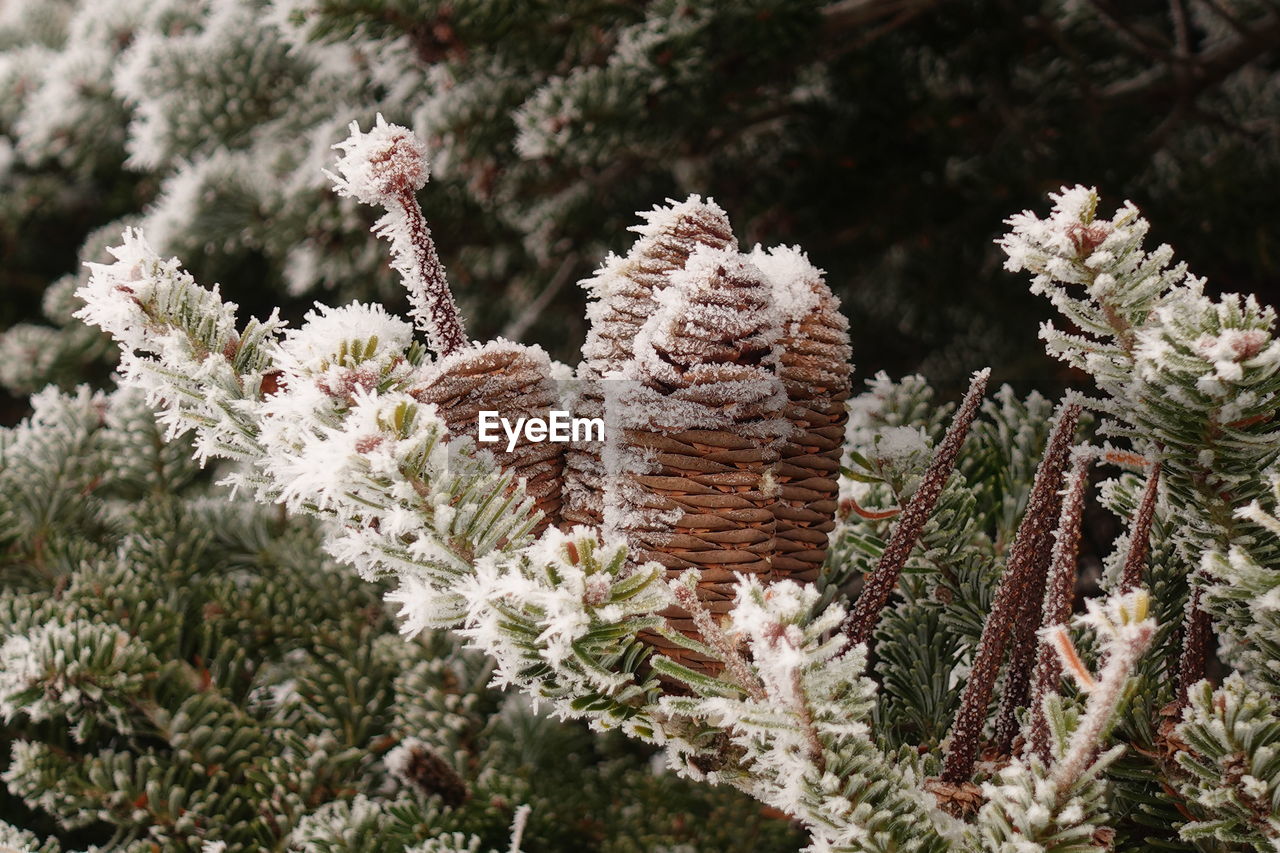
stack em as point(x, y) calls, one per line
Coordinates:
point(1016, 598)
point(815, 369)
point(625, 292)
point(386, 167)
point(692, 485)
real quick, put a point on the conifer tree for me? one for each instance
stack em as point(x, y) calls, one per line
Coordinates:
point(1122, 744)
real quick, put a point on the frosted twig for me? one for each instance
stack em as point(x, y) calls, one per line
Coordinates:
point(1059, 590)
point(861, 621)
point(1140, 534)
point(1014, 607)
point(385, 167)
point(715, 637)
point(1128, 634)
point(1196, 631)
point(518, 824)
point(801, 706)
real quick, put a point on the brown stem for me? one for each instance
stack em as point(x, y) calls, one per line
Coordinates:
point(1009, 611)
point(1196, 630)
point(432, 300)
point(1140, 535)
point(1060, 590)
point(861, 622)
point(713, 636)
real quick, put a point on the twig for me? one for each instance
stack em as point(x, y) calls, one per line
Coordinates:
point(514, 330)
point(1012, 599)
point(1140, 534)
point(715, 637)
point(1060, 589)
point(861, 622)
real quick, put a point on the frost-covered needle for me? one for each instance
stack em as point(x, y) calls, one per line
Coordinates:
point(386, 167)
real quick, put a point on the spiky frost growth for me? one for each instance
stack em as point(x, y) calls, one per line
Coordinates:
point(385, 167)
point(624, 295)
point(1061, 808)
point(1233, 764)
point(815, 368)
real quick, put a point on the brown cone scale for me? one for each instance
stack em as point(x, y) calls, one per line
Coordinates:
point(815, 370)
point(626, 290)
point(514, 381)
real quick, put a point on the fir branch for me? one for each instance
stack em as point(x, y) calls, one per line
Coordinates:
point(1014, 611)
point(879, 585)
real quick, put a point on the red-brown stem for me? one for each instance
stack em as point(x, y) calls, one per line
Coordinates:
point(432, 301)
point(1140, 534)
point(1013, 598)
point(1040, 531)
point(1060, 590)
point(861, 622)
point(1196, 630)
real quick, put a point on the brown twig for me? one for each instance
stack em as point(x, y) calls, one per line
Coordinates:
point(1196, 630)
point(1140, 534)
point(1060, 589)
point(861, 622)
point(1009, 611)
point(734, 662)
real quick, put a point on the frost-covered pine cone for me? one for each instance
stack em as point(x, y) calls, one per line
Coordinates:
point(625, 290)
point(514, 380)
point(815, 368)
point(696, 484)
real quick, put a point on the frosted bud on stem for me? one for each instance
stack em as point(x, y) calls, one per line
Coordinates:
point(385, 167)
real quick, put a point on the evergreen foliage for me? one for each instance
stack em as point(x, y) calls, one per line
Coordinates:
point(324, 420)
point(180, 672)
point(882, 134)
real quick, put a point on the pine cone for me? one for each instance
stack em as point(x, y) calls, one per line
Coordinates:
point(816, 371)
point(625, 290)
point(693, 485)
point(515, 381)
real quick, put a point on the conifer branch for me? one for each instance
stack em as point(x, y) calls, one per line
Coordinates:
point(879, 585)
